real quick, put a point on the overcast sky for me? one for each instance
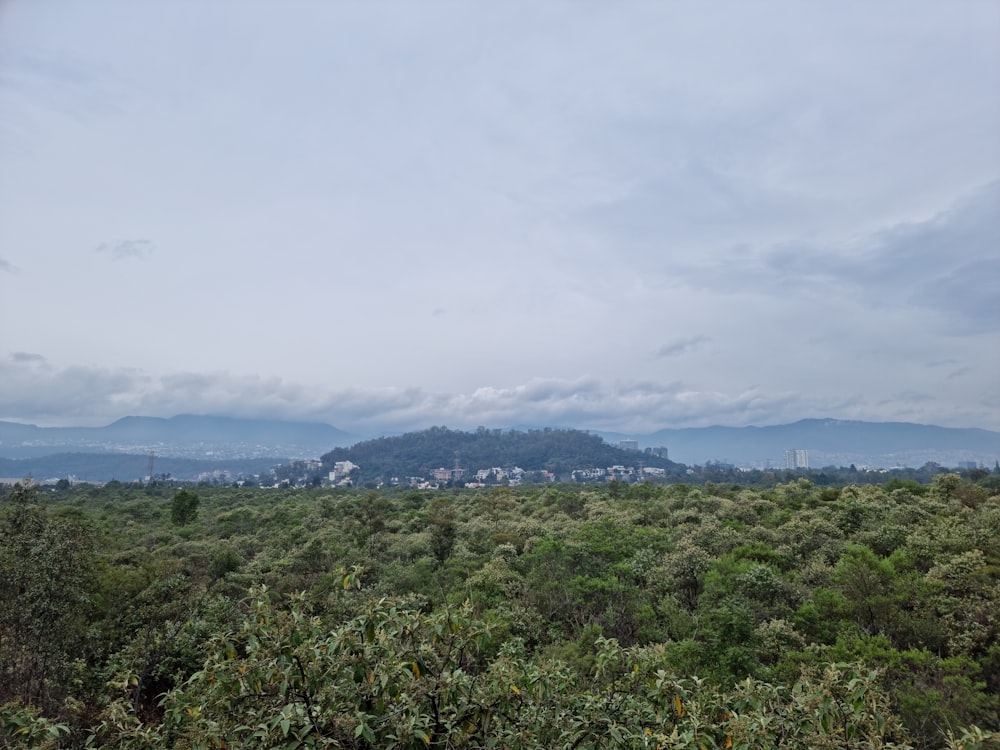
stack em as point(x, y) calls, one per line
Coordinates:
point(609, 215)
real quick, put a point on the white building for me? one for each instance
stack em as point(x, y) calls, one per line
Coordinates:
point(342, 469)
point(797, 459)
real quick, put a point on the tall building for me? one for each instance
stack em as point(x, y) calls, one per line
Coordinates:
point(797, 459)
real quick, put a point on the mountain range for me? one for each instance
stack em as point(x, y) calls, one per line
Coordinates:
point(828, 441)
point(183, 436)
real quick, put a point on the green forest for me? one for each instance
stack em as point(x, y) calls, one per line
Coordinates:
point(543, 616)
point(418, 453)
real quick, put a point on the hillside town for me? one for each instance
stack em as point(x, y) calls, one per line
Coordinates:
point(512, 476)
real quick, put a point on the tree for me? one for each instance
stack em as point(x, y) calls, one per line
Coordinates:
point(398, 677)
point(373, 511)
point(443, 530)
point(184, 508)
point(46, 582)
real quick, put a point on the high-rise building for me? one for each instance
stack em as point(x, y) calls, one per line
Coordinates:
point(797, 459)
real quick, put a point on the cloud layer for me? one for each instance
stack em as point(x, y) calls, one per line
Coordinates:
point(41, 393)
point(651, 214)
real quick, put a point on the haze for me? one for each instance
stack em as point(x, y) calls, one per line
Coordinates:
point(621, 216)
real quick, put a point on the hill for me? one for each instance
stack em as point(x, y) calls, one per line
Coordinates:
point(829, 442)
point(419, 453)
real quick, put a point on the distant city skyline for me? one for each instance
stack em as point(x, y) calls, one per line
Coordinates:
point(389, 216)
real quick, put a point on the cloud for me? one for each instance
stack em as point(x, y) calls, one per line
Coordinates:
point(945, 264)
point(612, 218)
point(71, 85)
point(681, 346)
point(28, 357)
point(123, 249)
point(67, 395)
point(91, 395)
point(8, 267)
point(907, 397)
point(38, 392)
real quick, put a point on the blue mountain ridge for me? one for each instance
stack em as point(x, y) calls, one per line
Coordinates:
point(829, 441)
point(182, 435)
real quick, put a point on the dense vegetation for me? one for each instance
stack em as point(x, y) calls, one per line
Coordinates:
point(419, 453)
point(549, 616)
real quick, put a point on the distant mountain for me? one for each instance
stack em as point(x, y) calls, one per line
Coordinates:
point(419, 453)
point(130, 467)
point(829, 442)
point(185, 435)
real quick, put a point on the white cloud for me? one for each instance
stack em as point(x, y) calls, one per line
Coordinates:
point(122, 249)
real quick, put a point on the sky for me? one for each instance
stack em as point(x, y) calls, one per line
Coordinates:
point(390, 215)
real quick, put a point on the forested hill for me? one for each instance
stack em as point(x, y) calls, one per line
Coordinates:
point(418, 453)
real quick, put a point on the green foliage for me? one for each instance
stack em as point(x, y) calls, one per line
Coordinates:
point(443, 530)
point(25, 729)
point(46, 581)
point(535, 617)
point(184, 508)
point(418, 453)
point(395, 677)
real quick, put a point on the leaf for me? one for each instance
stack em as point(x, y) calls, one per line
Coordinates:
point(826, 723)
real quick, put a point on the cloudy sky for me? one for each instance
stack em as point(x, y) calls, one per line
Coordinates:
point(390, 215)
